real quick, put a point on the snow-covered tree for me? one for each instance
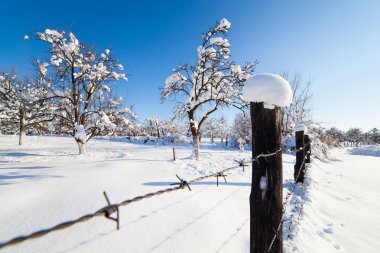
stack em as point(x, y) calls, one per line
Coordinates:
point(299, 111)
point(222, 129)
point(24, 105)
point(335, 133)
point(242, 128)
point(77, 78)
point(210, 129)
point(354, 135)
point(213, 82)
point(152, 126)
point(374, 136)
point(166, 130)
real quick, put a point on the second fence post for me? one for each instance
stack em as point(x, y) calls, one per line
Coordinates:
point(266, 190)
point(306, 140)
point(299, 167)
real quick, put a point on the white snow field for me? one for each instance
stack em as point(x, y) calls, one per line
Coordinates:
point(45, 182)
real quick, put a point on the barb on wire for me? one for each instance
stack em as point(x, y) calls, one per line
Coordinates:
point(110, 210)
point(242, 163)
point(182, 183)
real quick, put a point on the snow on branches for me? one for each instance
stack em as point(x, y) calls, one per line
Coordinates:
point(213, 82)
point(214, 79)
point(77, 77)
point(24, 105)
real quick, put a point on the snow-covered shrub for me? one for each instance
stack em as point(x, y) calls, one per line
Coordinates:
point(289, 142)
point(319, 149)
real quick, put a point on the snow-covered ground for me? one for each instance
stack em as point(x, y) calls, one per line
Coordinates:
point(341, 212)
point(45, 182)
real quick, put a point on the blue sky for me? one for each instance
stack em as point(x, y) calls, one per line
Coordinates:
point(334, 43)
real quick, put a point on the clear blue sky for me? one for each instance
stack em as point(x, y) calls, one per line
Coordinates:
point(335, 43)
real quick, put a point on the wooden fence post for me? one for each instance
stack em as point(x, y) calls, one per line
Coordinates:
point(306, 140)
point(299, 167)
point(266, 189)
point(173, 154)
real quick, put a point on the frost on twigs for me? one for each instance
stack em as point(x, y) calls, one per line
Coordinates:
point(77, 77)
point(271, 89)
point(24, 103)
point(214, 81)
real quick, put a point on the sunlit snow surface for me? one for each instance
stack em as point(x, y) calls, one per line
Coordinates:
point(45, 182)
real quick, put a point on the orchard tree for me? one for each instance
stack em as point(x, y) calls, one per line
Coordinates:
point(153, 126)
point(24, 105)
point(374, 135)
point(335, 133)
point(242, 127)
point(354, 135)
point(299, 111)
point(222, 128)
point(213, 82)
point(210, 129)
point(76, 77)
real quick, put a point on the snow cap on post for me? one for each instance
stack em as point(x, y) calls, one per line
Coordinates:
point(300, 127)
point(271, 89)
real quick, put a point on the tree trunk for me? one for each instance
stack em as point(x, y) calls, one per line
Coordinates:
point(266, 188)
point(194, 128)
point(82, 148)
point(196, 138)
point(22, 128)
point(21, 139)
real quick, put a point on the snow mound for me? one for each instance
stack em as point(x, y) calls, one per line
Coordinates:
point(300, 127)
point(368, 150)
point(271, 89)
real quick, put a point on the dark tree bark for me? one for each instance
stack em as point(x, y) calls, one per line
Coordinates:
point(22, 135)
point(266, 190)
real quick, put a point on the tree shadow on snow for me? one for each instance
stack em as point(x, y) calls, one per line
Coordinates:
point(25, 168)
point(16, 177)
point(20, 154)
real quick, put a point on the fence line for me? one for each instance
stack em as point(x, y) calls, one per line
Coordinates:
point(285, 204)
point(108, 210)
point(111, 208)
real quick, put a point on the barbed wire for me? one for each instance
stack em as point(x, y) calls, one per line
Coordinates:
point(111, 208)
point(108, 210)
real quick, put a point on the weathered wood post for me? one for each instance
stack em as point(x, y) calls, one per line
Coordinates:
point(266, 189)
point(306, 140)
point(299, 167)
point(267, 94)
point(173, 154)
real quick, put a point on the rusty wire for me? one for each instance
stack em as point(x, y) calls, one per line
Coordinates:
point(111, 208)
point(106, 211)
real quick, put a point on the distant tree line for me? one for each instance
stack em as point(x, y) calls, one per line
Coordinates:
point(351, 137)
